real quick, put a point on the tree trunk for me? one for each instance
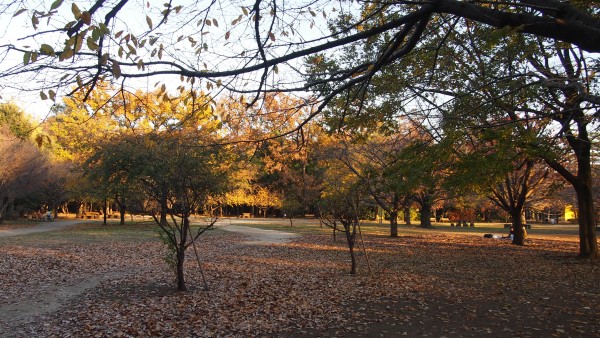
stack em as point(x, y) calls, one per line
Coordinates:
point(394, 224)
point(407, 215)
point(588, 243)
point(582, 183)
point(180, 275)
point(518, 231)
point(163, 209)
point(426, 213)
point(350, 240)
point(181, 253)
point(104, 210)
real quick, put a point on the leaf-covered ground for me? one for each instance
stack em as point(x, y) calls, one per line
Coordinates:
point(79, 283)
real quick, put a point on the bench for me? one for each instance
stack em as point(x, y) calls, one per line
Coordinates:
point(464, 224)
point(311, 216)
point(91, 215)
point(508, 225)
point(245, 215)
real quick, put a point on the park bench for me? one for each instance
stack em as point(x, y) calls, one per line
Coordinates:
point(311, 216)
point(91, 215)
point(526, 226)
point(463, 223)
point(245, 215)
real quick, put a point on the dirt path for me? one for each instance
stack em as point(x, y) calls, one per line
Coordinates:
point(39, 227)
point(14, 318)
point(259, 236)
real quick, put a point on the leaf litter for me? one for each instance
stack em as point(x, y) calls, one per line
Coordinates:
point(426, 285)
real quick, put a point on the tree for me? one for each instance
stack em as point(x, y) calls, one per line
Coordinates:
point(342, 201)
point(178, 172)
point(96, 44)
point(15, 119)
point(374, 160)
point(22, 169)
point(508, 79)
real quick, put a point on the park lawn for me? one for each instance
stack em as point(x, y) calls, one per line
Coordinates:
point(422, 283)
point(561, 232)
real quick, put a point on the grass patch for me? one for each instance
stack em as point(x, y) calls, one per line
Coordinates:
point(89, 232)
point(311, 226)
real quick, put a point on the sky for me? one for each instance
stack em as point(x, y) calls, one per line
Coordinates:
point(13, 27)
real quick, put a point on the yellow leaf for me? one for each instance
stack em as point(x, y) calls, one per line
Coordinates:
point(245, 11)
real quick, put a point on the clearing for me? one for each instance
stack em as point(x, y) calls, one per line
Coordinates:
point(93, 280)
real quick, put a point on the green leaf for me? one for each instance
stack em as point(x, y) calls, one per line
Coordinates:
point(104, 59)
point(66, 53)
point(19, 11)
point(47, 49)
point(26, 58)
point(75, 10)
point(92, 45)
point(56, 4)
point(35, 21)
point(116, 69)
